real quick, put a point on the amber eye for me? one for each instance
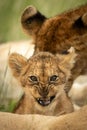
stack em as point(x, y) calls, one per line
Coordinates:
point(53, 78)
point(33, 78)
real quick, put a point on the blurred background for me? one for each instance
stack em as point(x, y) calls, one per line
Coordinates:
point(10, 12)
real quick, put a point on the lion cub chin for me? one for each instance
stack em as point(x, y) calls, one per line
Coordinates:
point(43, 78)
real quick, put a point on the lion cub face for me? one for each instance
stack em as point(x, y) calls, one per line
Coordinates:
point(44, 74)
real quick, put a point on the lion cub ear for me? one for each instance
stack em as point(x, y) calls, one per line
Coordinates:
point(31, 20)
point(81, 21)
point(16, 63)
point(67, 61)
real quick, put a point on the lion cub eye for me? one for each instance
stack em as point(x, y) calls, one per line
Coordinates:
point(53, 78)
point(33, 78)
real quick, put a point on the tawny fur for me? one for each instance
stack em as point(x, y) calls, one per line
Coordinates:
point(73, 121)
point(50, 74)
point(70, 36)
point(59, 33)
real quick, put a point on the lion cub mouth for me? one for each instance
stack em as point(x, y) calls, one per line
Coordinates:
point(45, 102)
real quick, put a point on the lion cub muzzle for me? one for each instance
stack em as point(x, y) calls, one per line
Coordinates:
point(45, 101)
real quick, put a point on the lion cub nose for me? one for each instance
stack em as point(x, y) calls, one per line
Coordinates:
point(44, 91)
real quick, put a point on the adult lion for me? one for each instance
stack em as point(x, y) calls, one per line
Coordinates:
point(73, 121)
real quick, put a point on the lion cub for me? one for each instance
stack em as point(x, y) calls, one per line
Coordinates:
point(43, 78)
point(58, 34)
